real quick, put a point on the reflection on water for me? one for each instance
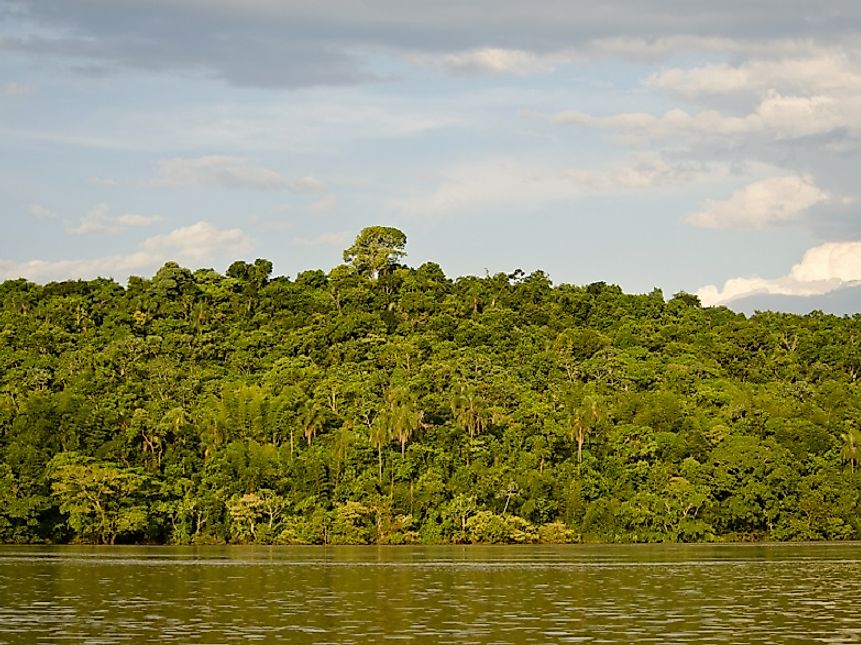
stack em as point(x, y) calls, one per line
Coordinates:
point(571, 594)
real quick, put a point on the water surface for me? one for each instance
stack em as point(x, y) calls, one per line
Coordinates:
point(567, 594)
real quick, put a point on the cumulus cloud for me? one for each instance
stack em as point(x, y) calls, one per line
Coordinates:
point(760, 204)
point(807, 90)
point(834, 260)
point(795, 108)
point(99, 220)
point(194, 244)
point(822, 269)
point(229, 172)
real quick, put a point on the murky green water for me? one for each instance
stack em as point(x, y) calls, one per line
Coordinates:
point(573, 594)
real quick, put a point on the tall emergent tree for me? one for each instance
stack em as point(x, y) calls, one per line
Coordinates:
point(376, 250)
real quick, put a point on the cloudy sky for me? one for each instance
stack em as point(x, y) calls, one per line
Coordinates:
point(711, 147)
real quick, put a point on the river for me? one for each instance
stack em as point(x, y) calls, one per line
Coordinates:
point(529, 594)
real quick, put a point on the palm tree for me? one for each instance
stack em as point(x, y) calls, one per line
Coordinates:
point(407, 421)
point(402, 416)
point(582, 414)
point(343, 440)
point(851, 451)
point(469, 411)
point(312, 418)
point(381, 434)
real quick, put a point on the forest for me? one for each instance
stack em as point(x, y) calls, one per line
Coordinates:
point(381, 403)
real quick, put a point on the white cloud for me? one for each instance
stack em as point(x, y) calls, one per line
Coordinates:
point(830, 261)
point(191, 245)
point(776, 117)
point(41, 211)
point(824, 72)
point(100, 220)
point(822, 269)
point(17, 89)
point(798, 116)
point(796, 109)
point(229, 172)
point(46, 270)
point(197, 243)
point(779, 116)
point(499, 61)
point(708, 80)
point(760, 204)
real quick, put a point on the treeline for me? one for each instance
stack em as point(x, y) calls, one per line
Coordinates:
point(380, 403)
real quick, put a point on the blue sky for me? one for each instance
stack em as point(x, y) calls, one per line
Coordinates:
point(706, 147)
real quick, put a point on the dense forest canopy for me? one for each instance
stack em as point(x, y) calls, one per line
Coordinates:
point(381, 403)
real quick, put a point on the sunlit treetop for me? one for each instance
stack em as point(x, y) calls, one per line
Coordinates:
point(376, 250)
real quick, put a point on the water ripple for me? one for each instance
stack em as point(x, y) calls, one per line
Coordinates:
point(724, 594)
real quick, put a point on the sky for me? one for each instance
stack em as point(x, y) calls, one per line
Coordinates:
point(706, 147)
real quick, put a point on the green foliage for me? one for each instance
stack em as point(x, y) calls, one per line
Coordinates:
point(384, 404)
point(376, 250)
point(102, 500)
